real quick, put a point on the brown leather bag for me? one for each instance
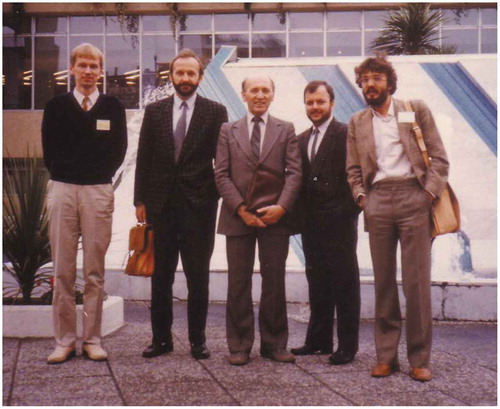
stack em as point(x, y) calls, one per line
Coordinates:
point(142, 261)
point(445, 209)
point(265, 188)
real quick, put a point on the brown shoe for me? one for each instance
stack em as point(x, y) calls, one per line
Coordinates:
point(280, 355)
point(61, 354)
point(94, 352)
point(421, 374)
point(238, 358)
point(383, 370)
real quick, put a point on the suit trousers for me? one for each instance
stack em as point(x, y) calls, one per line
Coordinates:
point(273, 323)
point(76, 210)
point(399, 210)
point(333, 276)
point(181, 228)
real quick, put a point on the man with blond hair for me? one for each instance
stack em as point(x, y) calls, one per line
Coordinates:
point(84, 138)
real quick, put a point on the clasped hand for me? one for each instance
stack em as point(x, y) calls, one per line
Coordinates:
point(267, 215)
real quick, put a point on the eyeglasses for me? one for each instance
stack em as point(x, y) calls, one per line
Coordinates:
point(377, 79)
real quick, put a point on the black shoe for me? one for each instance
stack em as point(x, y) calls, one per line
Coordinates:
point(309, 350)
point(157, 350)
point(341, 357)
point(200, 351)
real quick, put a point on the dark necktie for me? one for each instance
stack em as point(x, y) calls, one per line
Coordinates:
point(85, 103)
point(314, 135)
point(180, 131)
point(255, 139)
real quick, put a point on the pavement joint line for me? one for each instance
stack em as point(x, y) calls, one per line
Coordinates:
point(14, 369)
point(453, 397)
point(238, 403)
point(117, 385)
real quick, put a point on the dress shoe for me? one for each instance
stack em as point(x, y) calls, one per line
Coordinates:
point(341, 357)
point(280, 355)
point(238, 358)
point(60, 355)
point(94, 352)
point(200, 351)
point(157, 350)
point(421, 374)
point(383, 370)
point(309, 350)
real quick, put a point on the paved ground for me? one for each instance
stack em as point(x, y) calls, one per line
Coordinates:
point(464, 362)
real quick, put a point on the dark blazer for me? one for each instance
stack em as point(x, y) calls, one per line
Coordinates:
point(156, 170)
point(235, 167)
point(325, 192)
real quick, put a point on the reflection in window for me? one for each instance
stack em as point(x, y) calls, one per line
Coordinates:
point(196, 23)
point(239, 40)
point(460, 17)
point(306, 45)
point(157, 52)
point(343, 44)
point(200, 44)
point(268, 45)
point(489, 17)
point(268, 22)
point(375, 19)
point(17, 73)
point(306, 20)
point(156, 24)
point(84, 25)
point(488, 40)
point(343, 19)
point(51, 68)
point(369, 37)
point(94, 40)
point(466, 40)
point(52, 25)
point(231, 22)
point(122, 70)
point(10, 23)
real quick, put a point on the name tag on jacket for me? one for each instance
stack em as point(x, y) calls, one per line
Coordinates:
point(406, 116)
point(103, 125)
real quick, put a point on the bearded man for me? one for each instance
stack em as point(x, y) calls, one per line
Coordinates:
point(175, 191)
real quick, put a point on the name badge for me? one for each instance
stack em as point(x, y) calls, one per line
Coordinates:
point(406, 116)
point(103, 125)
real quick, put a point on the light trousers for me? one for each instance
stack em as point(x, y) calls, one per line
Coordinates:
point(76, 210)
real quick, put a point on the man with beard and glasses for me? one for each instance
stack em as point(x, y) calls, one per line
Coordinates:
point(175, 191)
point(330, 231)
point(391, 183)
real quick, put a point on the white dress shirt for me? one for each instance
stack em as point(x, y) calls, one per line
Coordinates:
point(262, 125)
point(177, 110)
point(92, 98)
point(322, 130)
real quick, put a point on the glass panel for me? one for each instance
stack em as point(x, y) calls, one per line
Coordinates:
point(375, 19)
point(55, 25)
point(231, 22)
point(342, 44)
point(51, 69)
point(268, 45)
point(306, 45)
point(369, 37)
point(343, 19)
point(239, 40)
point(200, 44)
point(130, 24)
point(157, 52)
point(460, 17)
point(306, 20)
point(466, 40)
point(156, 23)
point(196, 23)
point(268, 22)
point(98, 41)
point(488, 40)
point(17, 73)
point(489, 17)
point(84, 25)
point(10, 24)
point(122, 70)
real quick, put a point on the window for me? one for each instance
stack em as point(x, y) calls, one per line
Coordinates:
point(17, 73)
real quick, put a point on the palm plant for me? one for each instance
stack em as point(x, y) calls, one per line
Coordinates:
point(26, 245)
point(413, 29)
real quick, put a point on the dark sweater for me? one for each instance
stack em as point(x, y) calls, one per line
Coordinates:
point(74, 149)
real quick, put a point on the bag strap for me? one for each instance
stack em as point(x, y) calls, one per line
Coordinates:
point(418, 135)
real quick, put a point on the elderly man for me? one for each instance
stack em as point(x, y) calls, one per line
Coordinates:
point(257, 141)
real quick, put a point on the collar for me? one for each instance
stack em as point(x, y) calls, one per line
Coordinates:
point(264, 116)
point(79, 96)
point(324, 126)
point(390, 111)
point(190, 101)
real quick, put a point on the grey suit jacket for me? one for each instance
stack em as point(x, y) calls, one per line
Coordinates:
point(235, 166)
point(361, 161)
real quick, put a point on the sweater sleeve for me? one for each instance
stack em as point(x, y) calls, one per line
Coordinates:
point(48, 123)
point(120, 148)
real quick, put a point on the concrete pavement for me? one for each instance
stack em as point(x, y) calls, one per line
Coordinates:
point(464, 365)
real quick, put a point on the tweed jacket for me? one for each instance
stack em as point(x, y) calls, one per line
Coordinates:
point(236, 164)
point(156, 170)
point(362, 157)
point(325, 192)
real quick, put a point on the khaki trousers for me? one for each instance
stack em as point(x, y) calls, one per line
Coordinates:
point(400, 211)
point(76, 210)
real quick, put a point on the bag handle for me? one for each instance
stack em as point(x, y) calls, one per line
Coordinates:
point(418, 135)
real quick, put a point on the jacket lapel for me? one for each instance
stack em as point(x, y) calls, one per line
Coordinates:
point(366, 129)
point(273, 130)
point(167, 125)
point(240, 133)
point(403, 127)
point(196, 123)
point(327, 145)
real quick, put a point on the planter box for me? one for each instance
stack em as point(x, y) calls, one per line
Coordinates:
point(23, 321)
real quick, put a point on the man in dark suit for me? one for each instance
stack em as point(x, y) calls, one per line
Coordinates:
point(256, 139)
point(329, 233)
point(175, 190)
